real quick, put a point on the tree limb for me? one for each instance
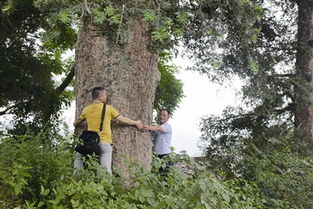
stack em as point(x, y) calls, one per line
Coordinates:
point(284, 75)
point(7, 110)
point(67, 81)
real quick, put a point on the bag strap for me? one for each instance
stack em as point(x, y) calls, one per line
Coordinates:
point(102, 117)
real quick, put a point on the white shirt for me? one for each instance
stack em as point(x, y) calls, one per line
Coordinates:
point(162, 140)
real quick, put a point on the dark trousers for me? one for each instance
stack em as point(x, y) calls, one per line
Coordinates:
point(164, 170)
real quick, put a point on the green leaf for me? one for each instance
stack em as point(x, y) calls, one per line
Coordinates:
point(179, 32)
point(40, 204)
point(254, 66)
point(244, 1)
point(115, 19)
point(255, 34)
point(182, 17)
point(109, 11)
point(99, 16)
point(147, 193)
point(43, 191)
point(8, 7)
point(65, 16)
point(149, 16)
point(168, 22)
point(258, 9)
point(160, 35)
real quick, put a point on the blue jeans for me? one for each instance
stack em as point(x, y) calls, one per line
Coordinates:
point(105, 158)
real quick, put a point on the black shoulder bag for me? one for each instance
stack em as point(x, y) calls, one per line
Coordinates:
point(91, 139)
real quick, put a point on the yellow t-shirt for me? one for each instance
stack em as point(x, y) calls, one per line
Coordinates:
point(92, 114)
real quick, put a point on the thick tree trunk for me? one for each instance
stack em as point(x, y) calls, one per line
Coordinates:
point(304, 67)
point(129, 75)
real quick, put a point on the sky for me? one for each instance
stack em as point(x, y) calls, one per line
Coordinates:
point(202, 98)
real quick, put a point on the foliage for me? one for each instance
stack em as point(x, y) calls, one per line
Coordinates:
point(30, 162)
point(169, 92)
point(36, 173)
point(291, 180)
point(29, 62)
point(266, 62)
point(221, 37)
point(256, 143)
point(252, 42)
point(268, 164)
point(165, 21)
point(226, 136)
point(284, 179)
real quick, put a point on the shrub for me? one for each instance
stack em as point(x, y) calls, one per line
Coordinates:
point(28, 163)
point(36, 172)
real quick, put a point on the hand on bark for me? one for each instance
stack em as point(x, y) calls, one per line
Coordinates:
point(78, 122)
point(139, 125)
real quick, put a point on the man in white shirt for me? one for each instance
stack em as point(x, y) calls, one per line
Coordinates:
point(162, 135)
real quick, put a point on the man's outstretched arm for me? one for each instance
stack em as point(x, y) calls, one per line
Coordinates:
point(128, 121)
point(153, 128)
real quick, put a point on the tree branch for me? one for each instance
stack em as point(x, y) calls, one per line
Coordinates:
point(7, 110)
point(284, 75)
point(67, 81)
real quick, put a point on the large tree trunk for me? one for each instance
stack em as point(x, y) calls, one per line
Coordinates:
point(304, 67)
point(129, 75)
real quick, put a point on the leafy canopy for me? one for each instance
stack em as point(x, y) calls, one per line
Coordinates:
point(35, 36)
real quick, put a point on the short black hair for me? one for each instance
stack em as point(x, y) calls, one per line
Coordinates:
point(164, 109)
point(96, 92)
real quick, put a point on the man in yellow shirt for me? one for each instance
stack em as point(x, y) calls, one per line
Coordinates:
point(92, 115)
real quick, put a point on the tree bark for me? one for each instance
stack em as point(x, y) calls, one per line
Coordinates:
point(304, 71)
point(129, 75)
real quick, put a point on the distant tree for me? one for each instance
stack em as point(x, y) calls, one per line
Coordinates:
point(169, 91)
point(273, 62)
point(304, 73)
point(29, 60)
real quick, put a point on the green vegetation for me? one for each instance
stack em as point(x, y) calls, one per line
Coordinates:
point(169, 92)
point(36, 173)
